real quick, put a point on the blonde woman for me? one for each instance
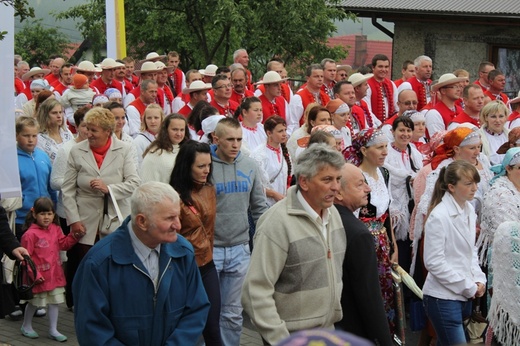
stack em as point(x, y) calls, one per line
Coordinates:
point(150, 126)
point(53, 132)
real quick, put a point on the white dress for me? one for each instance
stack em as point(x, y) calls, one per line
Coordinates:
point(491, 143)
point(254, 138)
point(399, 166)
point(273, 170)
point(50, 146)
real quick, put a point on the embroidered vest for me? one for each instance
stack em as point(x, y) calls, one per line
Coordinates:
point(308, 98)
point(139, 105)
point(464, 117)
point(502, 97)
point(228, 111)
point(238, 98)
point(377, 98)
point(270, 109)
point(447, 114)
point(420, 91)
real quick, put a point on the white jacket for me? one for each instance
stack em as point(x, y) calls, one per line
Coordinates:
point(450, 254)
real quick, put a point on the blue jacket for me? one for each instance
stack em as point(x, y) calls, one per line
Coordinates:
point(115, 302)
point(35, 179)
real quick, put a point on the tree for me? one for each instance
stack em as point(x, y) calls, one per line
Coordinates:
point(21, 10)
point(206, 32)
point(37, 44)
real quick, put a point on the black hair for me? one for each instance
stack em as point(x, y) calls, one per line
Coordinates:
point(181, 178)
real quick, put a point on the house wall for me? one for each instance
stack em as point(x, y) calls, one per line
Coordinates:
point(451, 46)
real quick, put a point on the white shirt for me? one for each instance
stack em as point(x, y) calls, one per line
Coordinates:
point(321, 220)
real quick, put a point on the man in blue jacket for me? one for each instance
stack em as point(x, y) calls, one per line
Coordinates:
point(141, 284)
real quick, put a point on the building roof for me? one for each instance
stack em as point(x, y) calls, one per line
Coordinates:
point(372, 48)
point(470, 8)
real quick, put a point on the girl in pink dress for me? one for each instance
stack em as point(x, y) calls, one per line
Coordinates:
point(44, 240)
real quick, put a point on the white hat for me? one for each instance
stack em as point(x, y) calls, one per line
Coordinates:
point(153, 56)
point(35, 71)
point(515, 100)
point(197, 85)
point(271, 77)
point(210, 70)
point(161, 66)
point(358, 78)
point(210, 123)
point(87, 66)
point(109, 63)
point(448, 79)
point(147, 66)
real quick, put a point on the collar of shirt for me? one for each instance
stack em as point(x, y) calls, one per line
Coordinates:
point(323, 220)
point(142, 251)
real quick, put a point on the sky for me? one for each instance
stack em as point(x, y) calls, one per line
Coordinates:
point(44, 8)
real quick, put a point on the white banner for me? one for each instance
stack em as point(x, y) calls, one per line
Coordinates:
point(9, 177)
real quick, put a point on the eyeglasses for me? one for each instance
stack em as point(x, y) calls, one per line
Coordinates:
point(225, 86)
point(408, 103)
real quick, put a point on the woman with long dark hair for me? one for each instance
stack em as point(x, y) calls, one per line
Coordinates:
point(191, 178)
point(159, 157)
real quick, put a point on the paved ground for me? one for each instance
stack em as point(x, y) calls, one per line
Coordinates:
point(10, 331)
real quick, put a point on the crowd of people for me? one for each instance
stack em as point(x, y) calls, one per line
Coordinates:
point(159, 204)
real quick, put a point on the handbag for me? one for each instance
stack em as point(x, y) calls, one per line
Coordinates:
point(24, 276)
point(476, 324)
point(109, 223)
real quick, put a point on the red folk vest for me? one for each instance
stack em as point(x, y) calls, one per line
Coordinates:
point(464, 117)
point(238, 98)
point(493, 97)
point(270, 109)
point(447, 114)
point(377, 98)
point(139, 105)
point(420, 91)
point(308, 98)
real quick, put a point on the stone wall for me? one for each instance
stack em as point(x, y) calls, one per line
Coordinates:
point(451, 46)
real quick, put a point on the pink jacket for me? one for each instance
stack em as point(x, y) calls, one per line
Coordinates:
point(44, 247)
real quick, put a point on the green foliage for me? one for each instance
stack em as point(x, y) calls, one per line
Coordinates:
point(37, 44)
point(206, 32)
point(21, 10)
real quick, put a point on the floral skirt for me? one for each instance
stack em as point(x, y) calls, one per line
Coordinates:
point(382, 247)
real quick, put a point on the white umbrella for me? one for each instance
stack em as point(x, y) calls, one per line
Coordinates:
point(408, 280)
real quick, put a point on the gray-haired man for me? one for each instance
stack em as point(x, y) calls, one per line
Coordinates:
point(299, 249)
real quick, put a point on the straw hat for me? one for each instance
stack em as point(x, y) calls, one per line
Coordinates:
point(448, 79)
point(271, 77)
point(87, 66)
point(109, 63)
point(358, 78)
point(197, 85)
point(35, 71)
point(146, 67)
point(210, 70)
point(153, 56)
point(161, 66)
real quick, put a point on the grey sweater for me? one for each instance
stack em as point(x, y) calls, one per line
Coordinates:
point(238, 188)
